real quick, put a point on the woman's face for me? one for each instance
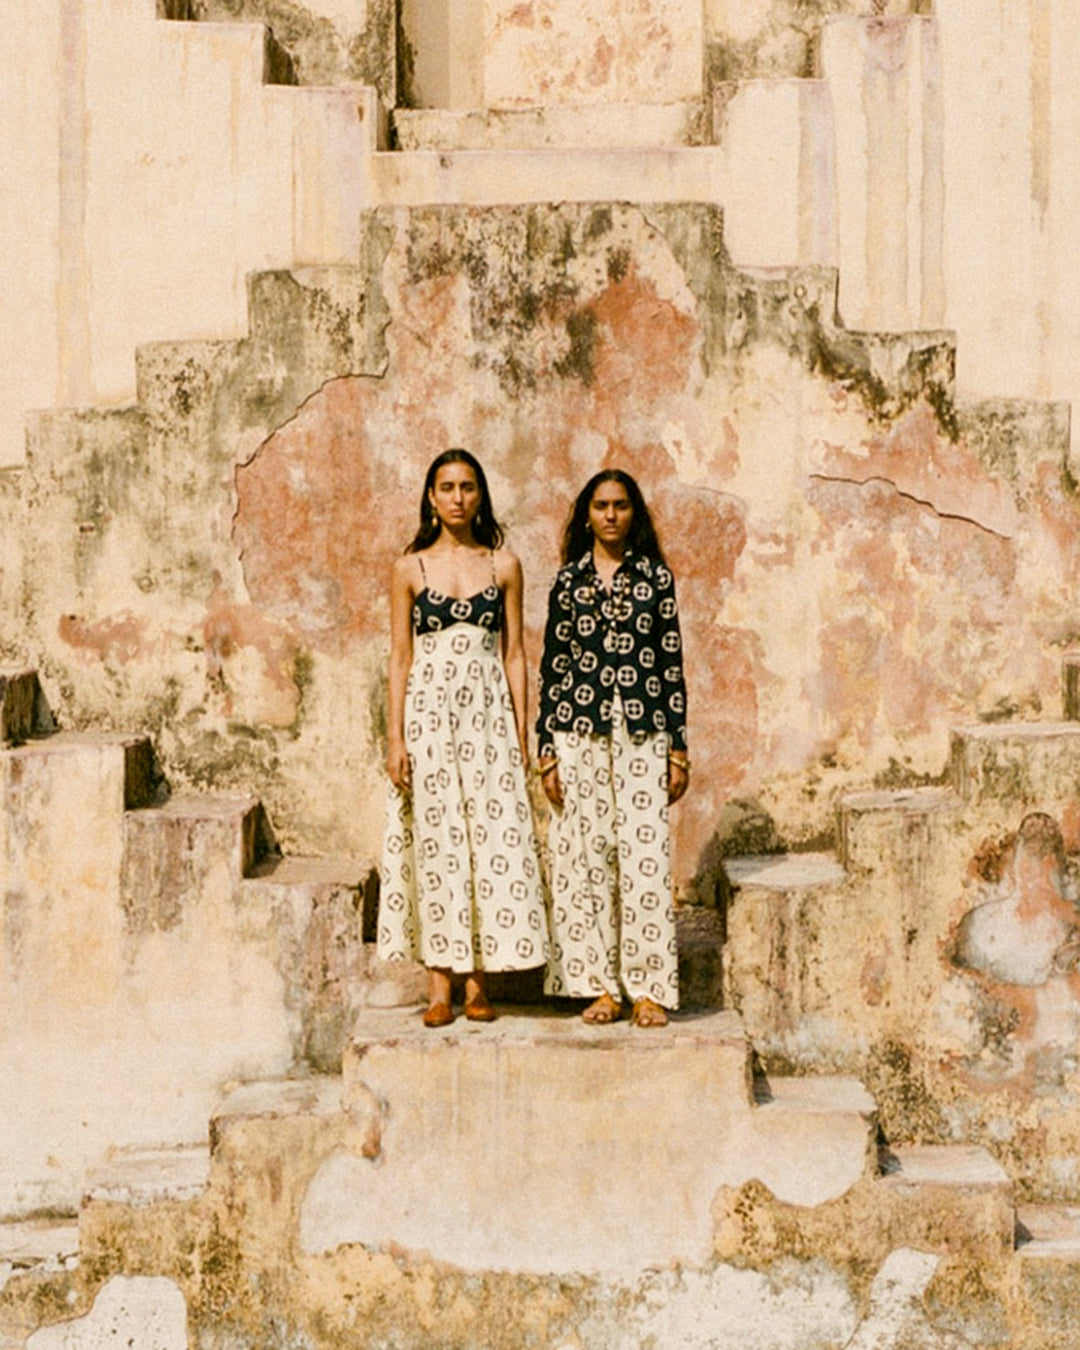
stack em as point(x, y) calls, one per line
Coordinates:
point(611, 513)
point(455, 495)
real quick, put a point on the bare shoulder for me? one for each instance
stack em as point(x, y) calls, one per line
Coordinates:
point(406, 572)
point(507, 567)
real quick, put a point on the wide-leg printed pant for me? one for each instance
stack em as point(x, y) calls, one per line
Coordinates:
point(612, 909)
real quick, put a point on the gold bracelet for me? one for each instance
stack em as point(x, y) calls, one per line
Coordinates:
point(553, 765)
point(680, 763)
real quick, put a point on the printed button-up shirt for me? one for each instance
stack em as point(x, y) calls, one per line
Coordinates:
point(597, 641)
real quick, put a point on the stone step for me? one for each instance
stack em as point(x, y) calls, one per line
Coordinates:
point(811, 1139)
point(779, 909)
point(1048, 1257)
point(958, 1193)
point(273, 62)
point(519, 1124)
point(782, 873)
point(274, 1099)
point(123, 1197)
point(23, 710)
point(172, 851)
point(120, 765)
point(271, 1140)
point(317, 913)
point(1048, 1231)
point(523, 177)
point(1070, 687)
point(1020, 764)
point(897, 825)
point(140, 1177)
point(46, 1245)
point(608, 125)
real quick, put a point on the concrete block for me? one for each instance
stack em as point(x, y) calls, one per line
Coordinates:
point(1048, 1232)
point(810, 1140)
point(270, 1138)
point(776, 139)
point(619, 126)
point(958, 1195)
point(514, 177)
point(781, 909)
point(885, 91)
point(315, 911)
point(1048, 1256)
point(37, 1244)
point(141, 1177)
point(519, 1125)
point(172, 851)
point(1017, 764)
point(613, 51)
point(894, 829)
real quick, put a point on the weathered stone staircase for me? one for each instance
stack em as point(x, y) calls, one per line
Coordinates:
point(932, 952)
point(563, 1165)
point(537, 1174)
point(557, 1152)
point(154, 947)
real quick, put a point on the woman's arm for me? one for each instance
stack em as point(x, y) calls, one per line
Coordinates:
point(510, 578)
point(553, 665)
point(401, 598)
point(673, 683)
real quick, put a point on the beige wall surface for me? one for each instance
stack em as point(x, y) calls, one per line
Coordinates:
point(807, 271)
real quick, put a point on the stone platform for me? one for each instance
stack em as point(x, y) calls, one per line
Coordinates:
point(540, 1144)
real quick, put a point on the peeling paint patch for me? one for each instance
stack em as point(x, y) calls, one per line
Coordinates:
point(119, 639)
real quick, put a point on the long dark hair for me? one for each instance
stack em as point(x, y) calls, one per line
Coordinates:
point(486, 529)
point(577, 537)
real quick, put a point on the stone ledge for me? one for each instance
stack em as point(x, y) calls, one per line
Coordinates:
point(47, 1243)
point(1048, 1231)
point(967, 1165)
point(601, 126)
point(785, 871)
point(143, 1176)
point(1022, 763)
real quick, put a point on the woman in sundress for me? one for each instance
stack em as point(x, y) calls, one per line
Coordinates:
point(461, 887)
point(612, 734)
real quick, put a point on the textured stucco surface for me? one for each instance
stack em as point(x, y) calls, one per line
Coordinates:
point(855, 565)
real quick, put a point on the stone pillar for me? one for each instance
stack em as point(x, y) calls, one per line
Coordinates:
point(885, 81)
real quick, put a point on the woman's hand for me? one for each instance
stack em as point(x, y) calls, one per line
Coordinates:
point(678, 778)
point(397, 766)
point(549, 777)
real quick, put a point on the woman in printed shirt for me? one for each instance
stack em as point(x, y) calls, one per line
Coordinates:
point(612, 736)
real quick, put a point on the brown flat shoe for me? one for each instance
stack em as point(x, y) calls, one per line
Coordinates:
point(478, 1009)
point(602, 1011)
point(648, 1014)
point(439, 1015)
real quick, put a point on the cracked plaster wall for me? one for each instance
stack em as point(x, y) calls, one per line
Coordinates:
point(859, 561)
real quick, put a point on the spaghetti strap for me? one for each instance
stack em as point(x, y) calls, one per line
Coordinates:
point(494, 574)
point(423, 573)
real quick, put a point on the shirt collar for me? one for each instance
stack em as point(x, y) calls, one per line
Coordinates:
point(639, 561)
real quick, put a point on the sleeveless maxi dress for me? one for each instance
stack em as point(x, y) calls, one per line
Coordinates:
point(461, 882)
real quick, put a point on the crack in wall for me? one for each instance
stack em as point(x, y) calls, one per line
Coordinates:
point(911, 497)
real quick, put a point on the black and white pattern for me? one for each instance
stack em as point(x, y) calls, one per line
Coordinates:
point(601, 643)
point(461, 884)
point(612, 910)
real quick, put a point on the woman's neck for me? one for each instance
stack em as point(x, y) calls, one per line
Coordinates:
point(452, 541)
point(607, 557)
